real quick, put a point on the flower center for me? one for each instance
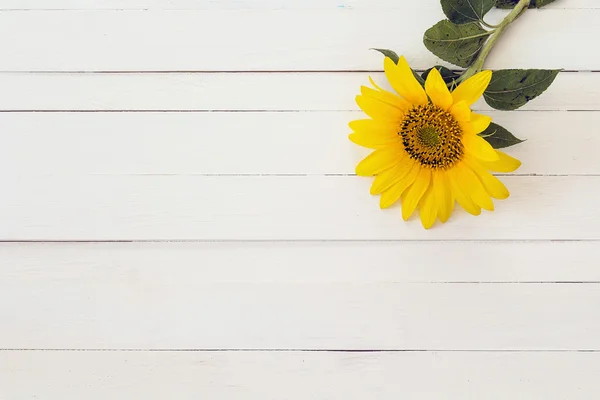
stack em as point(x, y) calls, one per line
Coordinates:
point(428, 136)
point(432, 137)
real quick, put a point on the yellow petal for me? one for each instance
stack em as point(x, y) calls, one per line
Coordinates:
point(374, 127)
point(492, 185)
point(415, 192)
point(472, 89)
point(379, 110)
point(505, 163)
point(461, 112)
point(389, 177)
point(480, 122)
point(478, 147)
point(471, 186)
point(373, 141)
point(428, 208)
point(404, 82)
point(460, 196)
point(443, 195)
point(385, 97)
point(379, 160)
point(391, 195)
point(437, 90)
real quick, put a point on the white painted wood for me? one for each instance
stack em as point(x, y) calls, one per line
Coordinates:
point(83, 312)
point(298, 376)
point(271, 261)
point(221, 40)
point(310, 143)
point(110, 207)
point(238, 91)
point(27, 265)
point(428, 5)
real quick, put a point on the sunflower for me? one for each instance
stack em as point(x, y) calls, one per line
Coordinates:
point(427, 151)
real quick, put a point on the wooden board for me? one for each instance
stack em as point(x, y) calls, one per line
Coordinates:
point(253, 92)
point(224, 143)
point(180, 312)
point(28, 265)
point(298, 376)
point(272, 40)
point(124, 207)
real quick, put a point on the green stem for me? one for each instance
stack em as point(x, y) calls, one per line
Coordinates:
point(487, 48)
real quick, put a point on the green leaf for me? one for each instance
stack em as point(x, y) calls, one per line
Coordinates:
point(389, 53)
point(463, 11)
point(499, 137)
point(541, 3)
point(457, 44)
point(392, 54)
point(418, 78)
point(513, 3)
point(448, 75)
point(513, 88)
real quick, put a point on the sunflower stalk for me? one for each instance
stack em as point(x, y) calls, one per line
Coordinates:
point(477, 66)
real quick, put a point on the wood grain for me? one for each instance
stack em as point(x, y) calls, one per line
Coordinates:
point(298, 376)
point(272, 40)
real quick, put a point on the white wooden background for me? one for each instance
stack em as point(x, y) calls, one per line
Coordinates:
point(179, 217)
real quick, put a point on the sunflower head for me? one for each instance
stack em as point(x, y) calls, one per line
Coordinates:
point(427, 152)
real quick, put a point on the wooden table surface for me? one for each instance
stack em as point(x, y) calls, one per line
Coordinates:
point(180, 217)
